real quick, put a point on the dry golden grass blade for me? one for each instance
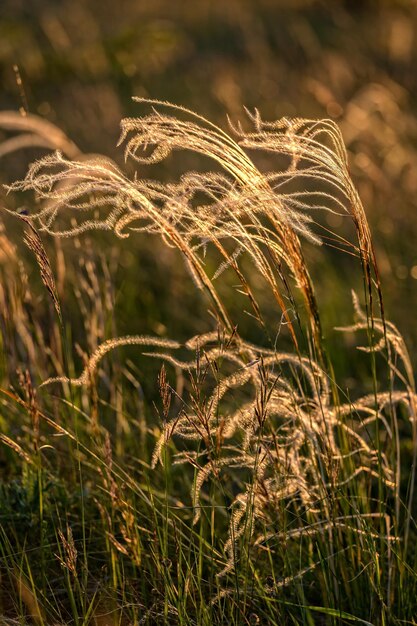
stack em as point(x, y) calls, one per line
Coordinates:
point(38, 132)
point(25, 140)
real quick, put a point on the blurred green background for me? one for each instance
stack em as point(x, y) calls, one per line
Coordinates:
point(81, 61)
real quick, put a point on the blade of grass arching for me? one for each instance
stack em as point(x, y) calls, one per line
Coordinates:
point(340, 615)
point(217, 145)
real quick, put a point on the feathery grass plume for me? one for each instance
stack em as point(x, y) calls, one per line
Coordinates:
point(257, 211)
point(401, 369)
point(240, 203)
point(69, 557)
point(390, 339)
point(252, 199)
point(280, 426)
point(318, 145)
point(29, 391)
point(108, 346)
point(34, 243)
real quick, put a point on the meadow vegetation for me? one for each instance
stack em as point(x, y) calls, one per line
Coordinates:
point(207, 467)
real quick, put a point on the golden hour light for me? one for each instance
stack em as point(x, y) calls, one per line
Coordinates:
point(207, 291)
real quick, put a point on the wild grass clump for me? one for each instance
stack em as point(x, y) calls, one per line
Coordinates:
point(261, 492)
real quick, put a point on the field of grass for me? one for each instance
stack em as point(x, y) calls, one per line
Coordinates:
point(220, 477)
point(207, 415)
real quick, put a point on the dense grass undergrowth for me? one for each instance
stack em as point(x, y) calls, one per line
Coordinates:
point(220, 474)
